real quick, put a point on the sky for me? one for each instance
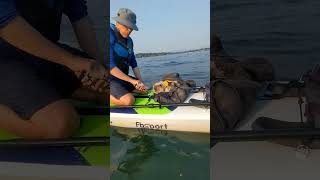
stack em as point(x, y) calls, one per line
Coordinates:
point(168, 25)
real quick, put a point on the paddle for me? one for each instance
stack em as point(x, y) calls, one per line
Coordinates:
point(251, 135)
point(105, 110)
point(97, 110)
point(69, 142)
point(162, 105)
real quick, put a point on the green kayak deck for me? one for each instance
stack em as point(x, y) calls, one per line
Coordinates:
point(143, 100)
point(91, 126)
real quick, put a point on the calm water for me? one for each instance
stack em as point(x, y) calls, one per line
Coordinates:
point(193, 65)
point(284, 31)
point(144, 155)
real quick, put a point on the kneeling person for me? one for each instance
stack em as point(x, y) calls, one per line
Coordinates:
point(39, 75)
point(121, 57)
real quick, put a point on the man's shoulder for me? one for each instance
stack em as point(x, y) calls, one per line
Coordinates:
point(112, 27)
point(112, 33)
point(130, 41)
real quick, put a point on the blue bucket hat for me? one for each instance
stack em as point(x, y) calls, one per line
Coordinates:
point(126, 17)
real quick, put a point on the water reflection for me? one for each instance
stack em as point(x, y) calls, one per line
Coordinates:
point(136, 151)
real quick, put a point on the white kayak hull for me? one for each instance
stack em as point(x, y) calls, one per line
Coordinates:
point(183, 118)
point(261, 159)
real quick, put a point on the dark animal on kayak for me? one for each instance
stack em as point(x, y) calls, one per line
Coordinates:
point(225, 66)
point(172, 89)
point(220, 56)
point(231, 102)
point(234, 86)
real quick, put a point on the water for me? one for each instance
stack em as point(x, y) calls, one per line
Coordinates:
point(158, 155)
point(284, 31)
point(193, 65)
point(149, 154)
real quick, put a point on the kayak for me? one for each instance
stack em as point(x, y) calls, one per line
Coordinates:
point(262, 156)
point(170, 118)
point(45, 162)
point(91, 126)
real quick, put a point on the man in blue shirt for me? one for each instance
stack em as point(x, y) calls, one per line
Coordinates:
point(121, 57)
point(38, 74)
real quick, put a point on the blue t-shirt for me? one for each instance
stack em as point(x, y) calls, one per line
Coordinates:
point(74, 9)
point(132, 61)
point(7, 12)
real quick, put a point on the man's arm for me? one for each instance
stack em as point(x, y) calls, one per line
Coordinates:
point(86, 36)
point(137, 73)
point(23, 36)
point(77, 12)
point(135, 69)
point(119, 74)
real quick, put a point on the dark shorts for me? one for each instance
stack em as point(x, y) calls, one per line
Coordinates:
point(29, 83)
point(119, 88)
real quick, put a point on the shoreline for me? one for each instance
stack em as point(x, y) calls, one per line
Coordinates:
point(142, 55)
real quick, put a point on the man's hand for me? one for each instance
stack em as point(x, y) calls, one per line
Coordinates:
point(139, 85)
point(92, 74)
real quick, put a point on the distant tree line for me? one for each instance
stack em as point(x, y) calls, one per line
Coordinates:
point(140, 55)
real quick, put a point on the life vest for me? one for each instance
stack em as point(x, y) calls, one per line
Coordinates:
point(123, 51)
point(44, 15)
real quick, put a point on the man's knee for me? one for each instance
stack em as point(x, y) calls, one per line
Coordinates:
point(58, 120)
point(66, 126)
point(128, 100)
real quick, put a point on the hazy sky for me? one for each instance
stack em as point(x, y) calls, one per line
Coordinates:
point(168, 25)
